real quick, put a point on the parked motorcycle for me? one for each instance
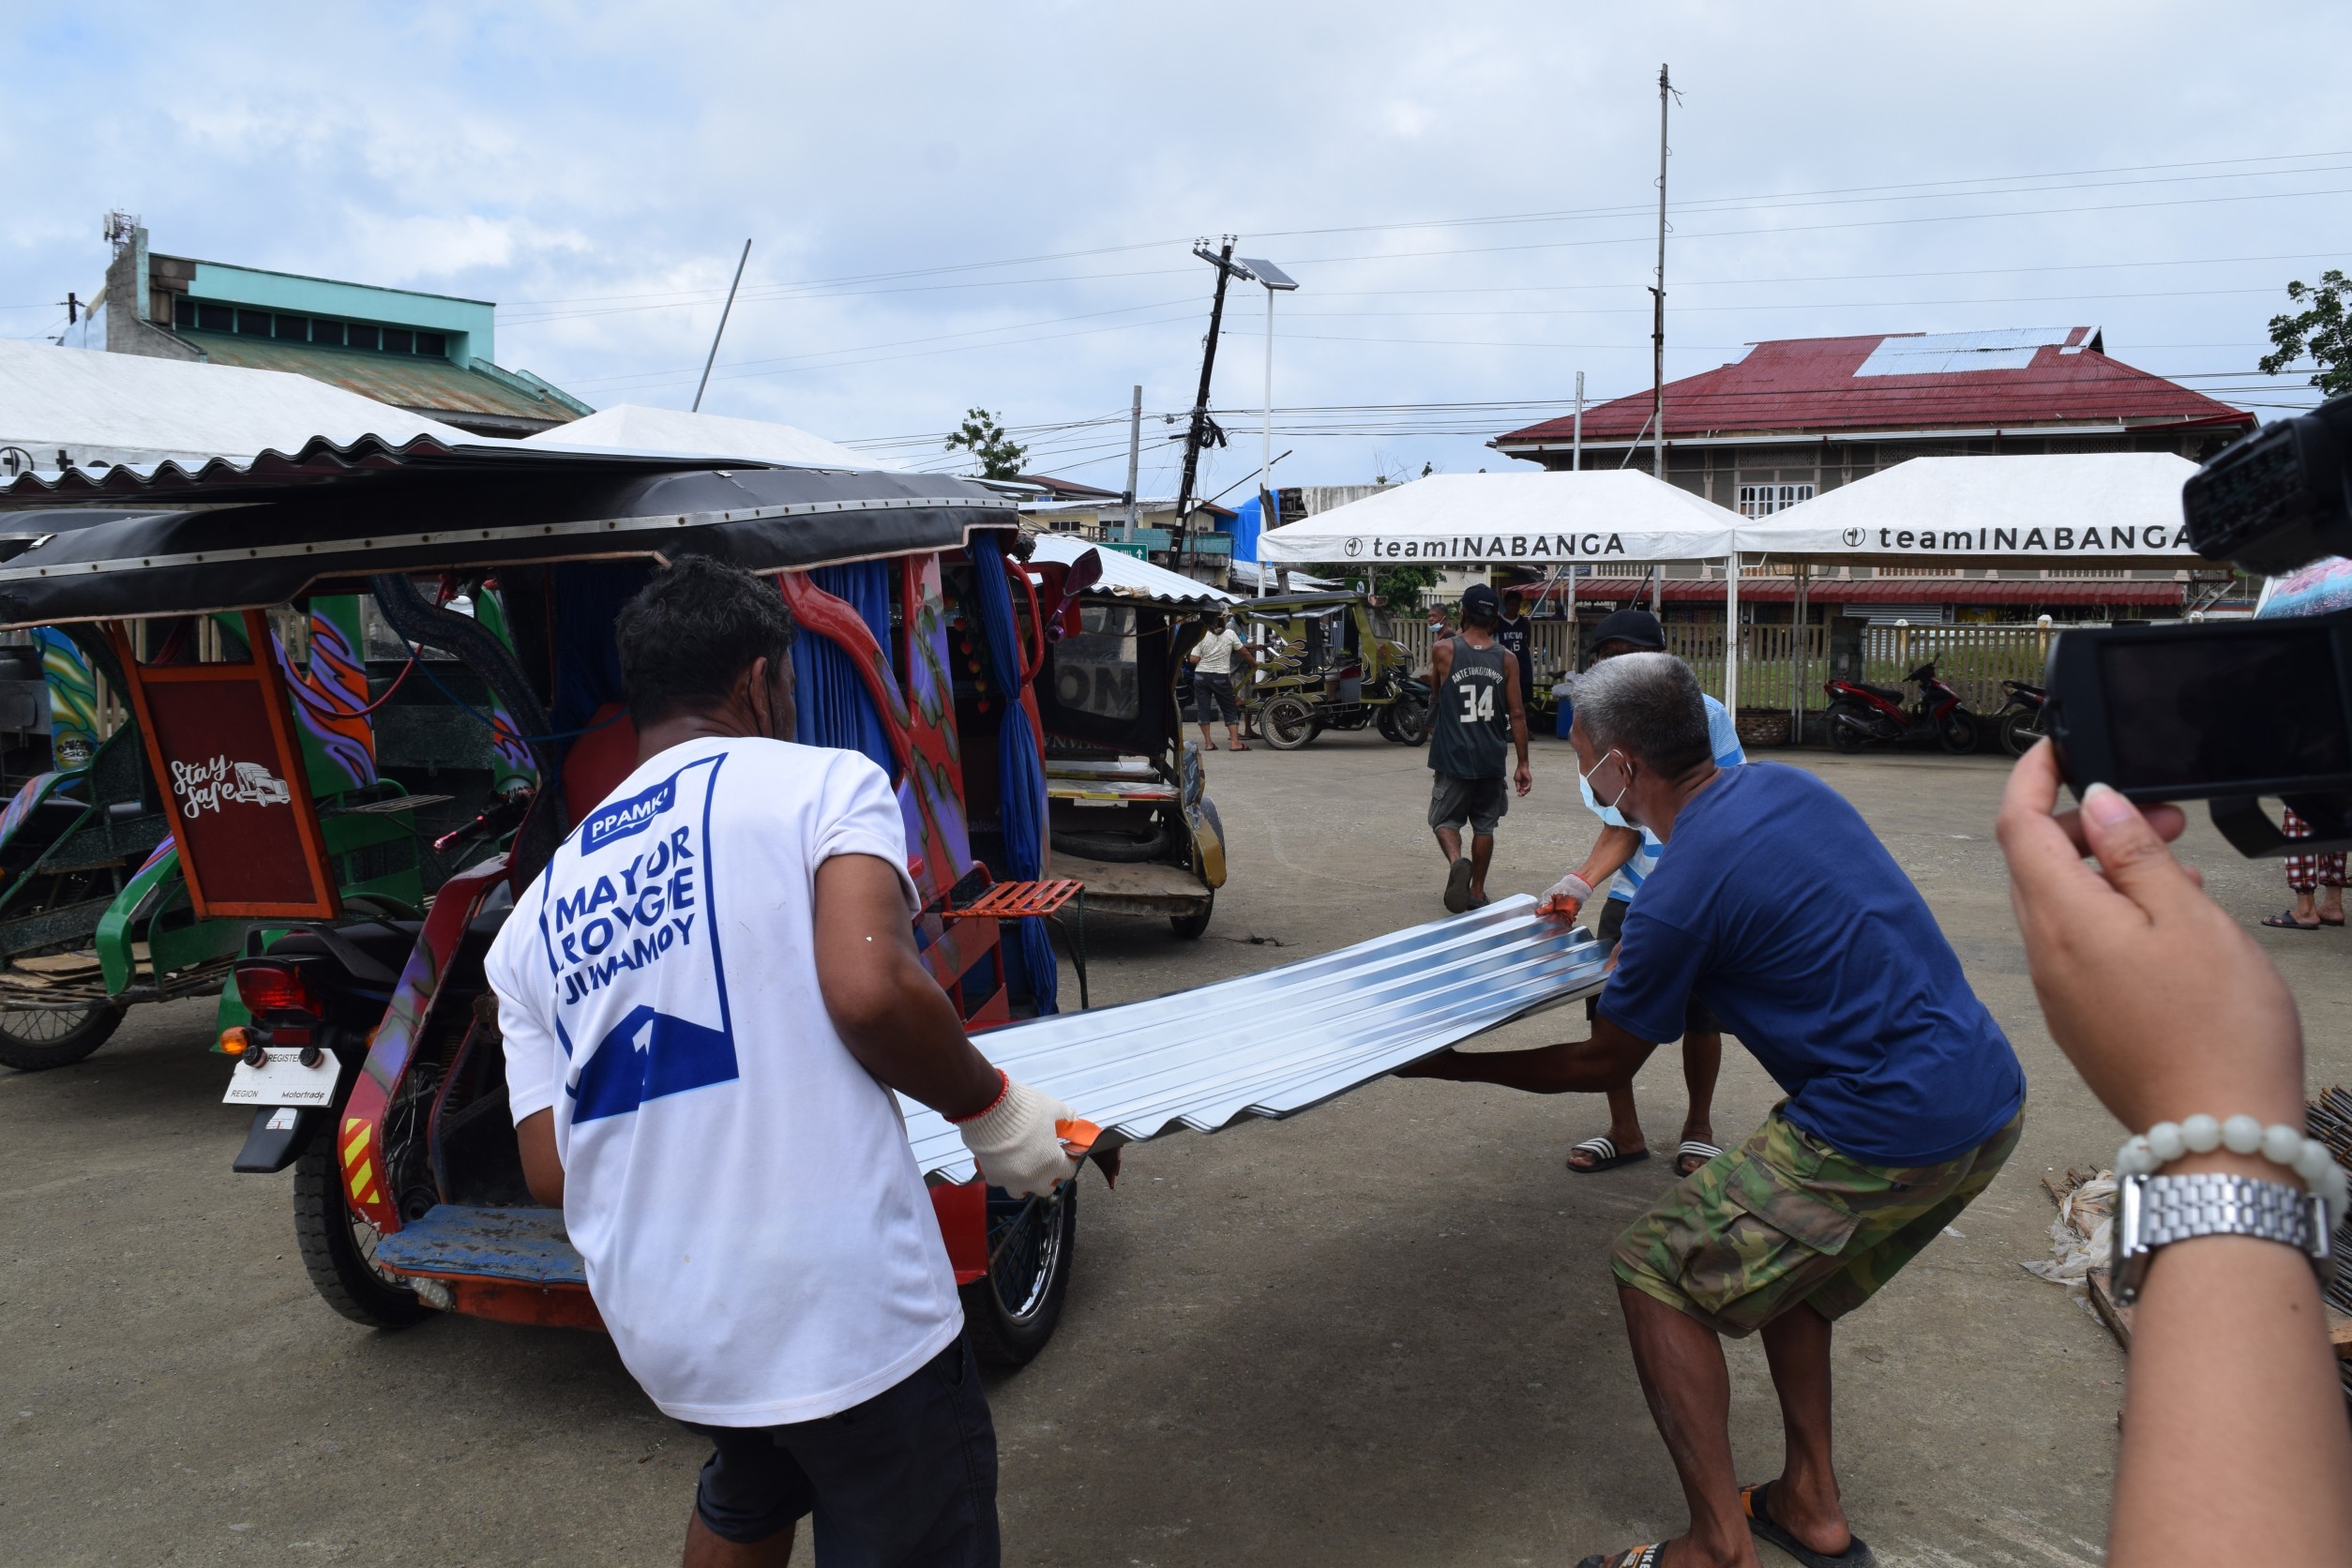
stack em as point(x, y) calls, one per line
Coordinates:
point(2020, 718)
point(1863, 715)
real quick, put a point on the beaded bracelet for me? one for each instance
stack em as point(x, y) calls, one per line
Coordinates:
point(2151, 1150)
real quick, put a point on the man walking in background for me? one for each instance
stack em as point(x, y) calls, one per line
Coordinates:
point(1476, 698)
point(1629, 855)
point(1213, 660)
point(1517, 634)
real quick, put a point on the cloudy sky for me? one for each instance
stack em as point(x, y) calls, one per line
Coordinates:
point(960, 204)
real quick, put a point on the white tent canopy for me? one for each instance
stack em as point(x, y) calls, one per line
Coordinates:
point(110, 409)
point(1126, 575)
point(1594, 517)
point(2112, 510)
point(634, 428)
point(1598, 516)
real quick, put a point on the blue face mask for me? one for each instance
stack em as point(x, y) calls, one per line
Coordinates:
point(1609, 813)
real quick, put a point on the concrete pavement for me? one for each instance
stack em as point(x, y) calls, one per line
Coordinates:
point(1382, 1334)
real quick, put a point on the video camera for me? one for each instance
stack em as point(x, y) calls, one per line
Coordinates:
point(2232, 712)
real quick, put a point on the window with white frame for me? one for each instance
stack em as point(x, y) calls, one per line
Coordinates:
point(1762, 501)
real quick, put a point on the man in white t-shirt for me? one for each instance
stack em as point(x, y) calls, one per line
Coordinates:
point(1627, 855)
point(707, 999)
point(1213, 660)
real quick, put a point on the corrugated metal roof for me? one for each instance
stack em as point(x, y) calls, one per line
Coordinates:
point(1275, 1043)
point(636, 428)
point(422, 382)
point(269, 474)
point(1898, 590)
point(2009, 378)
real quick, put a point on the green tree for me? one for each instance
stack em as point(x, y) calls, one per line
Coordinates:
point(2322, 330)
point(1397, 588)
point(1000, 455)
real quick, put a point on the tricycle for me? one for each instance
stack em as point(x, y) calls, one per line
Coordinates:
point(1323, 665)
point(95, 911)
point(1129, 807)
point(368, 1049)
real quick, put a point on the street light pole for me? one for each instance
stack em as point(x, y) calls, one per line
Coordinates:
point(1276, 282)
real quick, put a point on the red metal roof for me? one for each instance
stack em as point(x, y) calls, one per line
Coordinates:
point(1898, 590)
point(2008, 379)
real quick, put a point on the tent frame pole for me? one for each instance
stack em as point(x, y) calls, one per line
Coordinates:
point(1731, 635)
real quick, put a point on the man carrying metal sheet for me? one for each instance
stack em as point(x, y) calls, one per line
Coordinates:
point(707, 999)
point(1781, 913)
point(1621, 859)
point(1475, 704)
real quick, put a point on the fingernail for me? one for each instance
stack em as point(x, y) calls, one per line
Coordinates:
point(2106, 807)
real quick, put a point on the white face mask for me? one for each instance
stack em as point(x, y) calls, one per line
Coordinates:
point(1608, 813)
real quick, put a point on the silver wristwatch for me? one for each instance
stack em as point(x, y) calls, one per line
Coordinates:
point(2151, 1211)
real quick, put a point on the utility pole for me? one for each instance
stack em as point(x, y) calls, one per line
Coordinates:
point(73, 308)
point(1658, 295)
point(1576, 443)
point(1135, 459)
point(1657, 331)
point(1202, 430)
point(725, 311)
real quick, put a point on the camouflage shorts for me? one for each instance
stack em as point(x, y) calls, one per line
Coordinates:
point(1785, 1219)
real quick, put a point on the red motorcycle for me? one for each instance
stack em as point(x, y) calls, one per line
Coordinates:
point(1862, 714)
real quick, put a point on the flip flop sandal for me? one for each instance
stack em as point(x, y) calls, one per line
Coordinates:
point(2284, 921)
point(1632, 1557)
point(1764, 1527)
point(2337, 921)
point(1693, 1149)
point(1457, 881)
point(1239, 747)
point(1605, 1157)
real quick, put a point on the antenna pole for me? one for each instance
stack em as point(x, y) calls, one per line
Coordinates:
point(729, 307)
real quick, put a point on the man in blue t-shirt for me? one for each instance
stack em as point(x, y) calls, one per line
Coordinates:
point(1779, 909)
point(1621, 859)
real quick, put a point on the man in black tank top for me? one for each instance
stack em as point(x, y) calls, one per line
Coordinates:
point(1475, 704)
point(1517, 634)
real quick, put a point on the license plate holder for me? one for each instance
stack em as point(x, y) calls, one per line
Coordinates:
point(281, 1079)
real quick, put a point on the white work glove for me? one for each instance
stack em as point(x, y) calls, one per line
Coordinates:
point(1565, 898)
point(1016, 1141)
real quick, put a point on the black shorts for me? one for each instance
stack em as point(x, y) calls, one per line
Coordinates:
point(906, 1478)
point(1212, 698)
point(1480, 803)
point(1697, 1019)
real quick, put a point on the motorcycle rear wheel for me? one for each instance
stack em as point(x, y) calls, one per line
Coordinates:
point(1289, 723)
point(1958, 731)
point(2020, 729)
point(1845, 736)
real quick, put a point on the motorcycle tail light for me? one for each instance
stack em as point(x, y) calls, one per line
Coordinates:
point(273, 988)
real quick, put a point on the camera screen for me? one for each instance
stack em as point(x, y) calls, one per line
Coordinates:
point(2192, 714)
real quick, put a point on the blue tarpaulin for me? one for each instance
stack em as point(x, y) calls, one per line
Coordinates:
point(1246, 523)
point(832, 706)
point(1020, 774)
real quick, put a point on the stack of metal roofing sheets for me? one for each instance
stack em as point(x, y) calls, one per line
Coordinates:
point(1275, 1043)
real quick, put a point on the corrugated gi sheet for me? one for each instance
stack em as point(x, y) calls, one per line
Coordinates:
point(1275, 1043)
